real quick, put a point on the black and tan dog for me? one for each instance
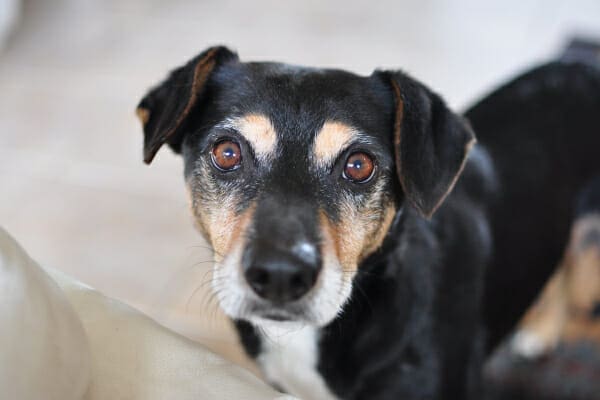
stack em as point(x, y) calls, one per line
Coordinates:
point(568, 309)
point(348, 252)
point(555, 352)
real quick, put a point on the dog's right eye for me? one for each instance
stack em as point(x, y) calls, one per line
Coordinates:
point(226, 155)
point(359, 167)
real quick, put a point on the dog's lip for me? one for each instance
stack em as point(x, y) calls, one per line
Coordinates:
point(276, 317)
point(274, 314)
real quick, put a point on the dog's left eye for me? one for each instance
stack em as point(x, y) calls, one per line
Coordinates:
point(226, 155)
point(359, 167)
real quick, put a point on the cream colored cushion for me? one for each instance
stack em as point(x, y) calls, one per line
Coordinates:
point(43, 347)
point(132, 357)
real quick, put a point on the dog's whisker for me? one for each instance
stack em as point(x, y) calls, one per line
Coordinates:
point(198, 263)
point(205, 247)
point(217, 284)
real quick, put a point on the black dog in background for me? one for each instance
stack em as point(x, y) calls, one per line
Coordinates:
point(542, 131)
point(364, 247)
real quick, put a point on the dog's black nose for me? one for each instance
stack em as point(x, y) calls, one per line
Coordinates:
point(280, 278)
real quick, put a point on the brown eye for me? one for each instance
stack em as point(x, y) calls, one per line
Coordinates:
point(226, 155)
point(359, 167)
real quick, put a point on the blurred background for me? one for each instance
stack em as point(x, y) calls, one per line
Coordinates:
point(73, 188)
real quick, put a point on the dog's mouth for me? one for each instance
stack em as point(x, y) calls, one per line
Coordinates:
point(259, 310)
point(277, 317)
point(277, 314)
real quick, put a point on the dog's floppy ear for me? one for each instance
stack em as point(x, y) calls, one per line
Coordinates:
point(163, 111)
point(431, 143)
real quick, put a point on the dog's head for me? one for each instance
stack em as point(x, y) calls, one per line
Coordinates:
point(296, 174)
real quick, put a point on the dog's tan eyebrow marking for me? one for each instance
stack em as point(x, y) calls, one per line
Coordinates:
point(331, 140)
point(258, 131)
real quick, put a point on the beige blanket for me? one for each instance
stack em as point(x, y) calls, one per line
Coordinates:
point(60, 339)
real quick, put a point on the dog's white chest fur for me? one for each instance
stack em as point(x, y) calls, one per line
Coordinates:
point(289, 359)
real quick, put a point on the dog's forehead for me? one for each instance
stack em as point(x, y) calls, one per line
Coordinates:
point(298, 101)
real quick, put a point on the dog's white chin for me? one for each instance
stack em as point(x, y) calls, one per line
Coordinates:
point(318, 308)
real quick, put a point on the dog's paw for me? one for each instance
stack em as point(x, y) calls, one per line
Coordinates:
point(528, 344)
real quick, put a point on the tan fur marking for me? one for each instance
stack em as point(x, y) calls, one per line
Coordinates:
point(356, 236)
point(563, 310)
point(241, 225)
point(583, 288)
point(361, 232)
point(225, 229)
point(583, 281)
point(398, 154)
point(331, 140)
point(376, 239)
point(143, 115)
point(329, 234)
point(329, 247)
point(468, 147)
point(258, 130)
point(196, 212)
point(216, 220)
point(201, 73)
point(398, 130)
point(548, 315)
point(583, 284)
point(584, 291)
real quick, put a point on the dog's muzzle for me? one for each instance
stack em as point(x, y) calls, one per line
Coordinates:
point(280, 276)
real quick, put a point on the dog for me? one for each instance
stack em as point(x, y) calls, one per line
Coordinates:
point(366, 245)
point(568, 309)
point(555, 350)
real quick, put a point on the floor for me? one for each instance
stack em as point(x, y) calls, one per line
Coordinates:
point(74, 190)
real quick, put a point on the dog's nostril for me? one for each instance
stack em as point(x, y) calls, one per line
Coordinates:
point(258, 278)
point(596, 310)
point(301, 282)
point(297, 281)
